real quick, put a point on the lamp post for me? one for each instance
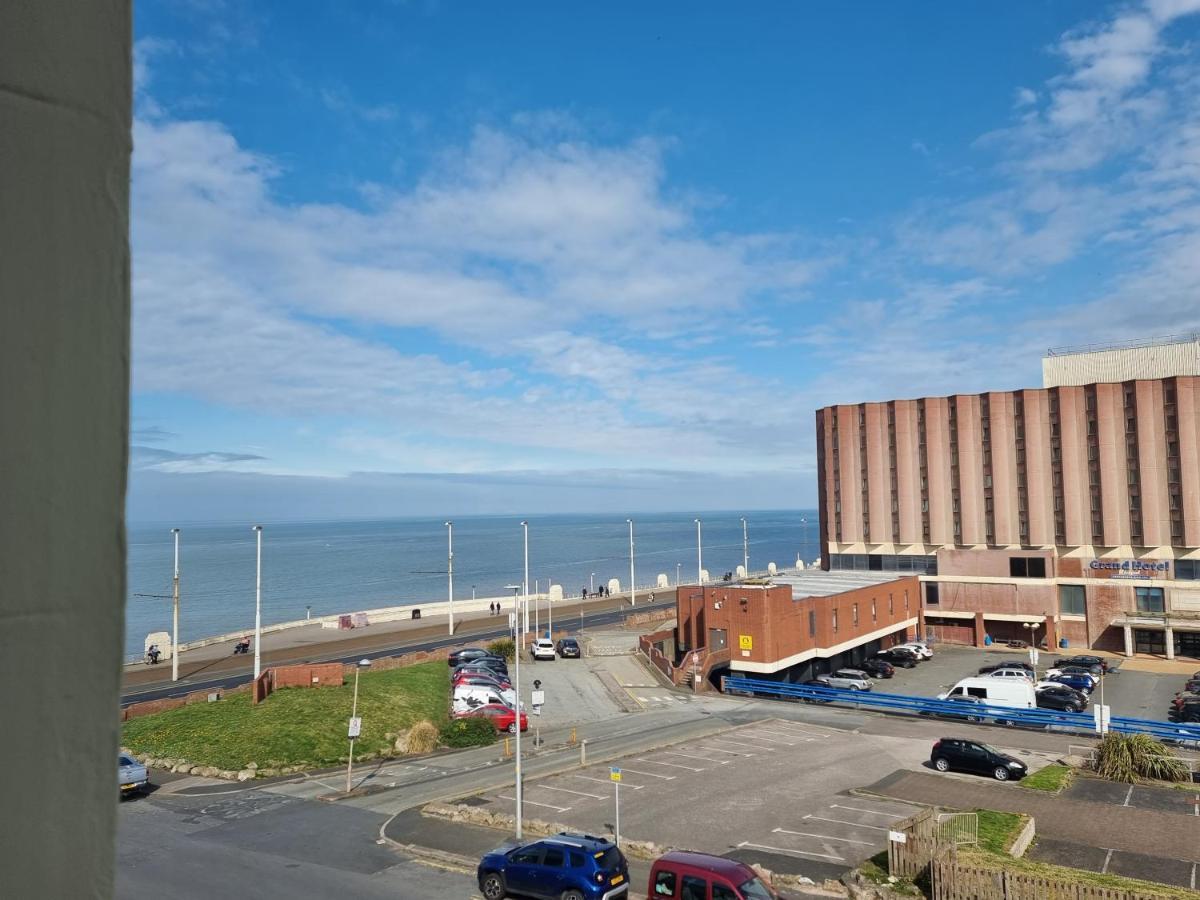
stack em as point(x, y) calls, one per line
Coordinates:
point(678, 566)
point(745, 549)
point(1033, 653)
point(525, 585)
point(517, 688)
point(699, 556)
point(175, 613)
point(355, 725)
point(804, 541)
point(450, 572)
point(258, 605)
point(592, 583)
point(632, 582)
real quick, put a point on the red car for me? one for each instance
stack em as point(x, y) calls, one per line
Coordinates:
point(481, 679)
point(503, 717)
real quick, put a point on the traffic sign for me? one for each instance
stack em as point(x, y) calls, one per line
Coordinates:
point(355, 727)
point(538, 698)
point(614, 773)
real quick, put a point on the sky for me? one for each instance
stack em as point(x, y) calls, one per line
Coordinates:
point(424, 258)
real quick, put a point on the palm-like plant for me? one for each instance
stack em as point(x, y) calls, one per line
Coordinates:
point(1128, 757)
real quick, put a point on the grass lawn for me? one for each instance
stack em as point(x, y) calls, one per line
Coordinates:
point(1052, 778)
point(997, 830)
point(295, 726)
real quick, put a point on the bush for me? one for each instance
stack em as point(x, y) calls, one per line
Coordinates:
point(472, 731)
point(421, 738)
point(503, 647)
point(1128, 757)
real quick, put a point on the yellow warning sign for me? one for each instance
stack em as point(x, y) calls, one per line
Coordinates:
point(746, 641)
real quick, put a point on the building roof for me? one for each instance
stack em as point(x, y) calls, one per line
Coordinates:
point(818, 583)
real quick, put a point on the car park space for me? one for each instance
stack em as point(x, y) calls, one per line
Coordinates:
point(1179, 872)
point(1184, 803)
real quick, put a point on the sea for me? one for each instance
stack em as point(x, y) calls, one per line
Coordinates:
point(321, 568)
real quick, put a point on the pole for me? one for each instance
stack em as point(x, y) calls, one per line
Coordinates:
point(617, 816)
point(745, 549)
point(353, 715)
point(699, 556)
point(258, 607)
point(678, 566)
point(592, 584)
point(525, 584)
point(632, 581)
point(175, 614)
point(549, 612)
point(450, 572)
point(517, 688)
point(804, 541)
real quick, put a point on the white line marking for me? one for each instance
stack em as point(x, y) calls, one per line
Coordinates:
point(791, 852)
point(789, 734)
point(547, 787)
point(1193, 876)
point(1127, 796)
point(770, 740)
point(719, 762)
point(624, 784)
point(792, 727)
point(651, 774)
point(870, 812)
point(730, 752)
point(825, 837)
point(655, 762)
point(1107, 858)
point(529, 802)
point(844, 822)
point(754, 743)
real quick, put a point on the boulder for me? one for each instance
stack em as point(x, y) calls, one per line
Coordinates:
point(210, 772)
point(268, 772)
point(196, 770)
point(245, 775)
point(251, 765)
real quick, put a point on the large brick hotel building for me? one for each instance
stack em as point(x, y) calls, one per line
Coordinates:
point(1075, 505)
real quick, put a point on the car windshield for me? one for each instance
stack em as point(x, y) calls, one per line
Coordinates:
point(608, 859)
point(568, 642)
point(990, 749)
point(126, 761)
point(754, 889)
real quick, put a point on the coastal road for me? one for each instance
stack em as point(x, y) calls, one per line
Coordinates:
point(390, 644)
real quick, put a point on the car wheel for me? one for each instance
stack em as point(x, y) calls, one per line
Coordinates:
point(512, 729)
point(942, 764)
point(1000, 773)
point(493, 886)
point(572, 894)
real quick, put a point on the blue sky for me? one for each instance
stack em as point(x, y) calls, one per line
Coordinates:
point(413, 258)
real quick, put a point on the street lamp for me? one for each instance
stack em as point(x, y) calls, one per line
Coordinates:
point(804, 540)
point(175, 614)
point(525, 586)
point(258, 605)
point(592, 583)
point(699, 556)
point(517, 689)
point(632, 582)
point(450, 572)
point(1033, 653)
point(355, 724)
point(745, 549)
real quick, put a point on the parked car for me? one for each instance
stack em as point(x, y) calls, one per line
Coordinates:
point(1013, 692)
point(568, 648)
point(1062, 698)
point(1188, 711)
point(132, 775)
point(971, 756)
point(482, 679)
point(1055, 671)
point(1192, 686)
point(848, 679)
point(966, 704)
point(1010, 673)
point(819, 682)
point(493, 664)
point(504, 717)
point(1079, 682)
point(577, 866)
point(466, 697)
point(1007, 664)
point(877, 668)
point(543, 648)
point(682, 874)
point(923, 650)
point(465, 654)
point(1085, 660)
point(902, 657)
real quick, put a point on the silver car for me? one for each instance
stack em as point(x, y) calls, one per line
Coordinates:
point(132, 775)
point(848, 679)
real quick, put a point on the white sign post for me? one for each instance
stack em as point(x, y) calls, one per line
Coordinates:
point(1102, 715)
point(615, 774)
point(355, 727)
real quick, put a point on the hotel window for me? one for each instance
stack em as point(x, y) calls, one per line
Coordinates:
point(812, 623)
point(1187, 569)
point(1072, 600)
point(1149, 600)
point(1026, 567)
point(931, 594)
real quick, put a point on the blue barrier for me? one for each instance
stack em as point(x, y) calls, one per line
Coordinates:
point(982, 712)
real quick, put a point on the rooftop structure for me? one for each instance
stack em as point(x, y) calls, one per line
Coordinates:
point(1149, 358)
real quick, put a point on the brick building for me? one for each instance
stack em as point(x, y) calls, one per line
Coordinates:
point(1076, 506)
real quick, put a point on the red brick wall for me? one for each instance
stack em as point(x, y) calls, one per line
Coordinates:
point(320, 674)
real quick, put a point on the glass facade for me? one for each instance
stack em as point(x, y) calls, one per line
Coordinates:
point(878, 562)
point(1072, 599)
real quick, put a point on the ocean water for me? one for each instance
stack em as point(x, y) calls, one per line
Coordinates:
point(344, 566)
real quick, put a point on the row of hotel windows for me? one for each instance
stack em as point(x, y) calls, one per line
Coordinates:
point(812, 614)
point(883, 562)
point(1072, 599)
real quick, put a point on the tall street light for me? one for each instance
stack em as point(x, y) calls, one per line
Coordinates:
point(517, 689)
point(699, 556)
point(678, 566)
point(450, 571)
point(592, 584)
point(632, 582)
point(745, 549)
point(355, 725)
point(258, 606)
point(175, 614)
point(804, 541)
point(525, 585)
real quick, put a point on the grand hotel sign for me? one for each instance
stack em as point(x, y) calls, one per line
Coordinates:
point(1130, 568)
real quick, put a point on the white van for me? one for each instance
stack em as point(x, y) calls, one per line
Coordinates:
point(472, 696)
point(1017, 693)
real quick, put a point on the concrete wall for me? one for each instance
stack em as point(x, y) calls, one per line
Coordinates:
point(65, 87)
point(1124, 363)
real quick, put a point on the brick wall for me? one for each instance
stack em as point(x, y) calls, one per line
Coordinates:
point(318, 675)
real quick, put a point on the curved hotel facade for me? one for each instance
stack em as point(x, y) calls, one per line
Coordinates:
point(1075, 506)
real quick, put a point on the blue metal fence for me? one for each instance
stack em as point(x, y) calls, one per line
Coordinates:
point(1174, 732)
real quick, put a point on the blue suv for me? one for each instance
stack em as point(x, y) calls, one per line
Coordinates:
point(564, 867)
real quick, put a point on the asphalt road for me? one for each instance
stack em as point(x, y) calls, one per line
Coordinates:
point(188, 685)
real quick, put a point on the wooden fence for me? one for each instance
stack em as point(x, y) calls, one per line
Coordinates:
point(954, 877)
point(911, 858)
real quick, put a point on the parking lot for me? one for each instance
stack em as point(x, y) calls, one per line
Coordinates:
point(774, 792)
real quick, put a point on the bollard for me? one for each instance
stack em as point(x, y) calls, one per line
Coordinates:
point(572, 737)
point(583, 753)
point(507, 747)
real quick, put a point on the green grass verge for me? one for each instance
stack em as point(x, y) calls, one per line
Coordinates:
point(875, 869)
point(1052, 778)
point(997, 830)
point(295, 726)
point(1080, 876)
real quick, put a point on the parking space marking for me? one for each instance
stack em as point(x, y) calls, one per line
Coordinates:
point(719, 762)
point(787, 852)
point(824, 837)
point(737, 744)
point(844, 822)
point(636, 787)
point(870, 812)
point(650, 774)
point(730, 752)
point(655, 762)
point(1194, 876)
point(529, 802)
point(550, 787)
point(1126, 803)
point(775, 739)
point(1107, 860)
point(793, 727)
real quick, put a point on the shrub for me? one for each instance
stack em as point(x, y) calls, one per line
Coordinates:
point(1128, 757)
point(472, 731)
point(503, 647)
point(421, 738)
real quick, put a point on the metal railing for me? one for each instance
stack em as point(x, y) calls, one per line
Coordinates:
point(1175, 732)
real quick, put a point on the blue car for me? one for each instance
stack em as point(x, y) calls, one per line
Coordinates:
point(1079, 682)
point(564, 867)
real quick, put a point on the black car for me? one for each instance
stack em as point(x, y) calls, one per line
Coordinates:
point(877, 668)
point(1061, 698)
point(901, 657)
point(464, 655)
point(487, 663)
point(1010, 664)
point(1192, 686)
point(1088, 662)
point(1188, 711)
point(568, 648)
point(972, 756)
